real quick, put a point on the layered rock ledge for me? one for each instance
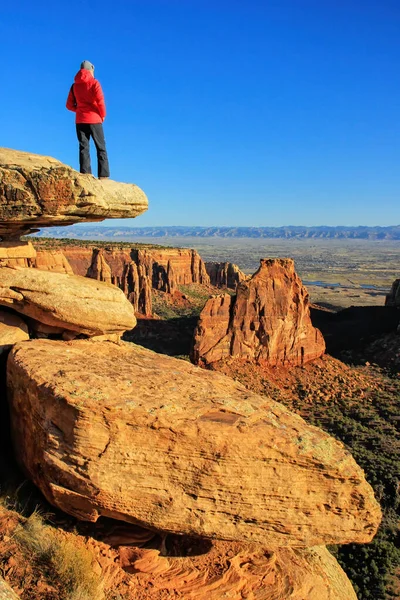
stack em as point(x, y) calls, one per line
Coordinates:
point(39, 191)
point(242, 571)
point(268, 320)
point(66, 302)
point(120, 431)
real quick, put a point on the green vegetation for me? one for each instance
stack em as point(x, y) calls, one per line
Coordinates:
point(189, 304)
point(369, 427)
point(47, 243)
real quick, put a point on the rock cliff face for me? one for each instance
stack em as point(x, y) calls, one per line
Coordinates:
point(225, 274)
point(268, 320)
point(135, 271)
point(38, 191)
point(150, 439)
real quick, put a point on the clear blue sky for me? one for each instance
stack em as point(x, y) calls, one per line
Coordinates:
point(259, 113)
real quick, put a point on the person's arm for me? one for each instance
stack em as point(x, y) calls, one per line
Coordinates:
point(71, 100)
point(99, 100)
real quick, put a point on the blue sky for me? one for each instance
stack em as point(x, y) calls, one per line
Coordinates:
point(261, 113)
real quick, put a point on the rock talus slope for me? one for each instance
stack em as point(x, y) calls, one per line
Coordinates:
point(39, 191)
point(268, 320)
point(154, 440)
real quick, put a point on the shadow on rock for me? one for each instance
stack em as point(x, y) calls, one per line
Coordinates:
point(173, 336)
point(349, 332)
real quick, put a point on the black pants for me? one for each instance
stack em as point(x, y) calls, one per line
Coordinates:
point(85, 131)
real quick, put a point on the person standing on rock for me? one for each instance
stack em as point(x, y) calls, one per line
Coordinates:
point(86, 99)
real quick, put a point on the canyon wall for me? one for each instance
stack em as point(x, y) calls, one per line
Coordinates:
point(225, 274)
point(135, 271)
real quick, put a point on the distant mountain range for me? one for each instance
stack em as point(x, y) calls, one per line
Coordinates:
point(294, 232)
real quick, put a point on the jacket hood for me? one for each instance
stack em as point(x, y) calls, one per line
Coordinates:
point(83, 76)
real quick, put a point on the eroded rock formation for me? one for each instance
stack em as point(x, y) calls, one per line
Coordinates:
point(135, 271)
point(150, 439)
point(39, 191)
point(239, 571)
point(268, 320)
point(225, 274)
point(64, 301)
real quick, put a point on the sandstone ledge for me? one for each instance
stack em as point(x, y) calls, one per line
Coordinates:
point(69, 302)
point(241, 571)
point(38, 191)
point(118, 430)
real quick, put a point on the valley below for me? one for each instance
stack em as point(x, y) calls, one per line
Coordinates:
point(338, 273)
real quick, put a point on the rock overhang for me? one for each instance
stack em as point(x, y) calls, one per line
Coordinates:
point(38, 191)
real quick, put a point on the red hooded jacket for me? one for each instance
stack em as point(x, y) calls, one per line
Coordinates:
point(86, 98)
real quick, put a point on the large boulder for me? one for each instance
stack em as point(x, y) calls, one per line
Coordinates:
point(68, 302)
point(120, 431)
point(39, 191)
point(268, 320)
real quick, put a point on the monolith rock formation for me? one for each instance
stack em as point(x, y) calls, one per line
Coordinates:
point(39, 191)
point(150, 439)
point(268, 320)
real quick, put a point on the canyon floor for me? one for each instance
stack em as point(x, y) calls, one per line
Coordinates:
point(338, 273)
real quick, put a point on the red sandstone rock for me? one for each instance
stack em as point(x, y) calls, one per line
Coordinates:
point(237, 571)
point(225, 274)
point(51, 260)
point(120, 431)
point(39, 191)
point(135, 271)
point(66, 302)
point(12, 330)
point(268, 320)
